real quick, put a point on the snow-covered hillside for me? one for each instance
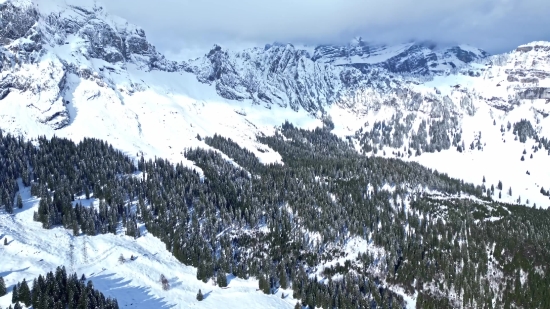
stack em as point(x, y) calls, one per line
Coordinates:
point(33, 251)
point(69, 69)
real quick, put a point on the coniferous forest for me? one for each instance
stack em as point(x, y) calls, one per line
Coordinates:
point(58, 291)
point(251, 219)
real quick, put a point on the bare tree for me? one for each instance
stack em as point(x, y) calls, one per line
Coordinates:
point(164, 282)
point(121, 259)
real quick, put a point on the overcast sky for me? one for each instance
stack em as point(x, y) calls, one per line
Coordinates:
point(494, 25)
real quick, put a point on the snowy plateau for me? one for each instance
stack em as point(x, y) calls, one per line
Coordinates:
point(69, 69)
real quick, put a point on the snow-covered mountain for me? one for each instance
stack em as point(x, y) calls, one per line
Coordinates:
point(70, 69)
point(417, 58)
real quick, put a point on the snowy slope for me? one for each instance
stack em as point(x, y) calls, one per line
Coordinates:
point(33, 250)
point(76, 71)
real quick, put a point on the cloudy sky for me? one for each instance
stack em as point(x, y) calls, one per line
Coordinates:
point(493, 25)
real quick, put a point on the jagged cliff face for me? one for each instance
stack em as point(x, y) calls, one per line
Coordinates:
point(43, 43)
point(409, 58)
point(289, 76)
point(48, 47)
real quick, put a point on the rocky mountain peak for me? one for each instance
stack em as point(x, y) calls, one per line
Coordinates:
point(80, 41)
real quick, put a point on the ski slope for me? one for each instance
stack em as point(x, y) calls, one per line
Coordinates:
point(33, 250)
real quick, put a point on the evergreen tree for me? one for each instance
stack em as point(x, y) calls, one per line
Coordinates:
point(200, 297)
point(19, 201)
point(263, 284)
point(164, 282)
point(24, 293)
point(283, 281)
point(14, 295)
point(8, 207)
point(221, 279)
point(3, 290)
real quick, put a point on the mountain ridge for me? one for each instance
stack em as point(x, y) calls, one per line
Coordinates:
point(66, 61)
point(416, 183)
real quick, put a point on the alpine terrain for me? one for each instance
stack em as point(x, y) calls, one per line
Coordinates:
point(359, 175)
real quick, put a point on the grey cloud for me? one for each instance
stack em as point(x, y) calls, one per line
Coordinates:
point(494, 25)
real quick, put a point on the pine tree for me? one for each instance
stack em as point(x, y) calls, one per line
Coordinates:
point(14, 295)
point(19, 201)
point(164, 282)
point(3, 290)
point(24, 293)
point(9, 208)
point(298, 305)
point(5, 241)
point(121, 259)
point(263, 284)
point(283, 281)
point(221, 279)
point(200, 297)
point(35, 294)
point(266, 287)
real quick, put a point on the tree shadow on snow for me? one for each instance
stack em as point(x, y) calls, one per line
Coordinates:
point(175, 282)
point(127, 295)
point(207, 294)
point(7, 273)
